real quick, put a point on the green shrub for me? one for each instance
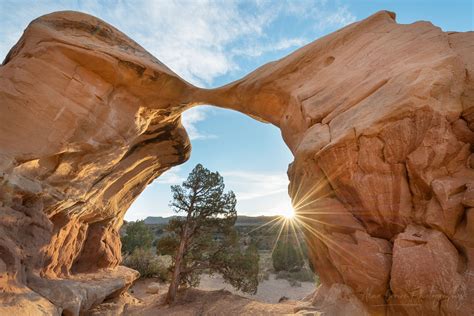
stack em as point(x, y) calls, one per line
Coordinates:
point(294, 278)
point(286, 257)
point(282, 275)
point(148, 264)
point(137, 235)
point(304, 275)
point(294, 283)
point(316, 280)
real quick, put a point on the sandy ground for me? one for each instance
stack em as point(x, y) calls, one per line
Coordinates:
point(194, 302)
point(212, 297)
point(269, 291)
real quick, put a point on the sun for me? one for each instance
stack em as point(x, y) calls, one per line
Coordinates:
point(288, 214)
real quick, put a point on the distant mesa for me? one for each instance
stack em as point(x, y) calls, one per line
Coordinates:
point(241, 220)
point(155, 220)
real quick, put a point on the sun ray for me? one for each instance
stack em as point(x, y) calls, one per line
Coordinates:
point(298, 243)
point(289, 213)
point(266, 224)
point(315, 189)
point(317, 221)
point(338, 249)
point(278, 237)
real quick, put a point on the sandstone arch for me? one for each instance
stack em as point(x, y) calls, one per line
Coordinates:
point(378, 115)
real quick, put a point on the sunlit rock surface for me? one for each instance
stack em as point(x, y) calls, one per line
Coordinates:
point(379, 117)
point(87, 120)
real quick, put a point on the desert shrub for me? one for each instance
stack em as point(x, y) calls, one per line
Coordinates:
point(294, 283)
point(294, 278)
point(148, 264)
point(263, 275)
point(316, 280)
point(137, 235)
point(304, 275)
point(286, 257)
point(282, 275)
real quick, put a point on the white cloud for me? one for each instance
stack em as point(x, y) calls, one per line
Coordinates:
point(288, 42)
point(260, 49)
point(193, 38)
point(259, 193)
point(171, 177)
point(246, 185)
point(341, 17)
point(251, 185)
point(326, 15)
point(189, 119)
point(199, 40)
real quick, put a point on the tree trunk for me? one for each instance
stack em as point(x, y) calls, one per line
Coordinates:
point(176, 279)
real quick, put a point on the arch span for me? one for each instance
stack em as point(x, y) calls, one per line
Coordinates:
point(377, 115)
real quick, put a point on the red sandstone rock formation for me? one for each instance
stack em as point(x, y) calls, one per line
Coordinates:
point(88, 119)
point(379, 117)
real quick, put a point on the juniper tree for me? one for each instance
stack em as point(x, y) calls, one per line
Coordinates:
point(204, 237)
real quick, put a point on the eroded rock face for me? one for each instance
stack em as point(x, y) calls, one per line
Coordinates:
point(88, 119)
point(379, 117)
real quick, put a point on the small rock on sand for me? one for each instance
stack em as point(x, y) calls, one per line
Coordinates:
point(153, 288)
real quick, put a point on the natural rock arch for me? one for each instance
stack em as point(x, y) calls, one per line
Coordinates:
point(379, 117)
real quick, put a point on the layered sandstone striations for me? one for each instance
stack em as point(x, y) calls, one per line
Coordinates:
point(88, 119)
point(379, 117)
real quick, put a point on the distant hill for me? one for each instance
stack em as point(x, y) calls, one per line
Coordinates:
point(156, 220)
point(242, 220)
point(257, 228)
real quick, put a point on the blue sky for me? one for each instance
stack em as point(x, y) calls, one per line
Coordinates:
point(211, 43)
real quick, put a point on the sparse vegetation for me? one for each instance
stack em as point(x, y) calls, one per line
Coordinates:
point(137, 235)
point(240, 252)
point(264, 276)
point(286, 257)
point(205, 239)
point(304, 275)
point(147, 263)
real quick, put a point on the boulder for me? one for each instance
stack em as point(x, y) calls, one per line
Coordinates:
point(153, 288)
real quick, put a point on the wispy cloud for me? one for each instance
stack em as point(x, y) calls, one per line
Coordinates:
point(194, 38)
point(340, 17)
point(256, 192)
point(256, 49)
point(191, 117)
point(199, 40)
point(247, 185)
point(326, 15)
point(252, 185)
point(259, 193)
point(171, 177)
